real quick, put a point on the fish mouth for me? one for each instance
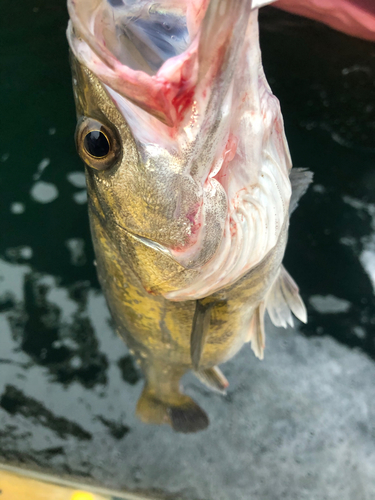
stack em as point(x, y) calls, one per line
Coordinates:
point(208, 108)
point(133, 47)
point(155, 53)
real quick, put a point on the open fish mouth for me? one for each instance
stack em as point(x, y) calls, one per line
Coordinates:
point(186, 75)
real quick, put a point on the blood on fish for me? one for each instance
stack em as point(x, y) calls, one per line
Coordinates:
point(182, 103)
point(194, 229)
point(232, 227)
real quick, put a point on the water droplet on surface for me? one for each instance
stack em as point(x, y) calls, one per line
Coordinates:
point(329, 304)
point(44, 192)
point(76, 362)
point(41, 167)
point(77, 179)
point(76, 246)
point(359, 332)
point(21, 252)
point(17, 207)
point(81, 197)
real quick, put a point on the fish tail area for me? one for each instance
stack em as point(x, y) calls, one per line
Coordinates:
point(181, 412)
point(284, 299)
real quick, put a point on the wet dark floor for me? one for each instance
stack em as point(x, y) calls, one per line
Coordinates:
point(291, 425)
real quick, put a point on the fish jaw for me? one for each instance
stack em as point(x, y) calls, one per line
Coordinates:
point(203, 175)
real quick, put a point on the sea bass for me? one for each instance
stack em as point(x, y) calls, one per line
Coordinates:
point(190, 187)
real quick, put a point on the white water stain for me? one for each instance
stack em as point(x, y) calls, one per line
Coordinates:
point(17, 207)
point(348, 241)
point(318, 188)
point(360, 332)
point(329, 304)
point(21, 252)
point(12, 279)
point(77, 179)
point(76, 247)
point(367, 256)
point(41, 167)
point(52, 131)
point(76, 362)
point(367, 259)
point(80, 197)
point(44, 192)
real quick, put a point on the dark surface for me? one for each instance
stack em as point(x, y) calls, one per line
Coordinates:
point(68, 388)
point(325, 82)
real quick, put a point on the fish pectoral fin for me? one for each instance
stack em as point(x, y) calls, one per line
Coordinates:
point(283, 299)
point(214, 379)
point(300, 179)
point(257, 335)
point(200, 328)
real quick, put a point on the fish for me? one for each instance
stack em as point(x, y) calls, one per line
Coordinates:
point(190, 187)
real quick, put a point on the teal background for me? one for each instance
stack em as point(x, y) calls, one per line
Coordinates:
point(36, 97)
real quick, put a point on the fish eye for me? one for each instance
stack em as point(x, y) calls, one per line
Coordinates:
point(97, 144)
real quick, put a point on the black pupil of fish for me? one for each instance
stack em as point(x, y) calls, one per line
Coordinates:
point(96, 144)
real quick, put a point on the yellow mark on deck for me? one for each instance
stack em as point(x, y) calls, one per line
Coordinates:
point(18, 487)
point(82, 495)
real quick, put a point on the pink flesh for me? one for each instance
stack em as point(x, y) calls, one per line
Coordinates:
point(169, 92)
point(353, 17)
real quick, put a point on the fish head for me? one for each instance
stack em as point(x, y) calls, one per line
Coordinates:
point(142, 187)
point(182, 138)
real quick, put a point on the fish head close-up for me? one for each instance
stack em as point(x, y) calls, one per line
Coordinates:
point(183, 140)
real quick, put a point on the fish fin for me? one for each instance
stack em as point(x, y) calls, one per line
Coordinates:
point(201, 326)
point(283, 299)
point(256, 4)
point(300, 179)
point(257, 335)
point(188, 418)
point(213, 378)
point(184, 416)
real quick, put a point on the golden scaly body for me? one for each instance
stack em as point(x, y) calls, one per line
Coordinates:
point(168, 338)
point(158, 330)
